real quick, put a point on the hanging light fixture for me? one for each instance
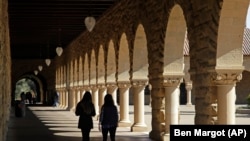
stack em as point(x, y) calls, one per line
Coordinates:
point(40, 67)
point(35, 72)
point(90, 21)
point(59, 49)
point(48, 61)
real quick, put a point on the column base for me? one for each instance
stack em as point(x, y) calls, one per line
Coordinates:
point(96, 117)
point(64, 107)
point(156, 135)
point(124, 124)
point(166, 137)
point(189, 104)
point(72, 109)
point(139, 128)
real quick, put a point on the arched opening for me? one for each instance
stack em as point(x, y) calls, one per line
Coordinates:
point(28, 87)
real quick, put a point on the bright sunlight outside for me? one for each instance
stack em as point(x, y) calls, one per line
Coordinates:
point(248, 19)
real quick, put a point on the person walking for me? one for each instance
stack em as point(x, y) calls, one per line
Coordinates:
point(85, 110)
point(108, 120)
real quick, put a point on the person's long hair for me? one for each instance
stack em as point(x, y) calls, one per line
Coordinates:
point(108, 100)
point(86, 103)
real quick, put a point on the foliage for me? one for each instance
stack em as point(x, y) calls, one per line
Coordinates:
point(248, 100)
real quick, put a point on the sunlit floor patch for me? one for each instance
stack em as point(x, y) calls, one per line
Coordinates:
point(61, 125)
point(71, 129)
point(69, 134)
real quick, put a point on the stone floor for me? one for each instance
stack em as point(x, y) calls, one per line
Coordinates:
point(43, 123)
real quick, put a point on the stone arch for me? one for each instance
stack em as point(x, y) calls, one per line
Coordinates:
point(111, 63)
point(140, 57)
point(229, 57)
point(64, 74)
point(173, 68)
point(230, 34)
point(123, 60)
point(93, 68)
point(71, 72)
point(174, 43)
point(80, 83)
point(76, 72)
point(86, 70)
point(40, 86)
point(101, 66)
point(64, 84)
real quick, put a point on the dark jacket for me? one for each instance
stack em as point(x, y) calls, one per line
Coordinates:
point(109, 116)
point(85, 120)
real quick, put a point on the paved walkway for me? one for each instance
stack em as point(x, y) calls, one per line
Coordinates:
point(43, 123)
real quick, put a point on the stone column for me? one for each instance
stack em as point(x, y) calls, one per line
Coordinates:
point(139, 119)
point(226, 96)
point(124, 104)
point(111, 89)
point(65, 104)
point(71, 99)
point(60, 97)
point(78, 95)
point(102, 92)
point(66, 93)
point(82, 92)
point(75, 93)
point(172, 98)
point(189, 95)
point(94, 90)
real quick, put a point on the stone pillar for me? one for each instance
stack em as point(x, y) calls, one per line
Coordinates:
point(94, 90)
point(77, 94)
point(62, 97)
point(226, 104)
point(189, 95)
point(226, 95)
point(172, 98)
point(158, 110)
point(102, 92)
point(124, 104)
point(66, 99)
point(111, 89)
point(71, 99)
point(139, 119)
point(82, 92)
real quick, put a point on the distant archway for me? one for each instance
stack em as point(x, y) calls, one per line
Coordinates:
point(30, 83)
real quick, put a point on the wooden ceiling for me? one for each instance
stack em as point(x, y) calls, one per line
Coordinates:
point(37, 27)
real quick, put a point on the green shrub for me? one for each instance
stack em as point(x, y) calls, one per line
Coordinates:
point(248, 100)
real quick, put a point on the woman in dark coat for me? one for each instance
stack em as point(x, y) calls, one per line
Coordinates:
point(86, 110)
point(108, 121)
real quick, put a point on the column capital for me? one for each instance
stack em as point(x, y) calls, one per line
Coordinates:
point(111, 84)
point(111, 87)
point(139, 82)
point(226, 77)
point(101, 86)
point(76, 88)
point(86, 87)
point(189, 86)
point(172, 80)
point(93, 87)
point(73, 88)
point(124, 84)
